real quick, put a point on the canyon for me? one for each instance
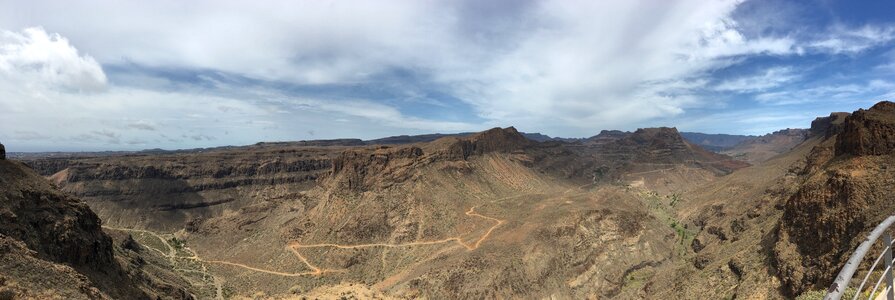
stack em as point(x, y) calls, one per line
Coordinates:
point(493, 214)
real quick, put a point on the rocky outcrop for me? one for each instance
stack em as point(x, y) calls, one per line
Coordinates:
point(662, 140)
point(607, 136)
point(50, 166)
point(492, 140)
point(106, 171)
point(665, 145)
point(828, 126)
point(845, 191)
point(359, 170)
point(869, 132)
point(60, 229)
point(180, 186)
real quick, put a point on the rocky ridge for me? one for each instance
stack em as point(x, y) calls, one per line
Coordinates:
point(846, 190)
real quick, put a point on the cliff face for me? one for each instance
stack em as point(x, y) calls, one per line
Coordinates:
point(492, 140)
point(59, 227)
point(845, 191)
point(655, 144)
point(184, 186)
point(361, 169)
point(43, 227)
point(869, 132)
point(666, 145)
point(828, 126)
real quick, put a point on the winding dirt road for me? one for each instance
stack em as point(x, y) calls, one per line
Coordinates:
point(172, 257)
point(294, 247)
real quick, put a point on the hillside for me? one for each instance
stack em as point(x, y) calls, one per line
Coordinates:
point(495, 214)
point(786, 225)
point(846, 189)
point(446, 218)
point(52, 247)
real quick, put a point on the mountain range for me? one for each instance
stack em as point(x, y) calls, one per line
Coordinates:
point(653, 213)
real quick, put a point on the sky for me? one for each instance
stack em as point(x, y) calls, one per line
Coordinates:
point(132, 75)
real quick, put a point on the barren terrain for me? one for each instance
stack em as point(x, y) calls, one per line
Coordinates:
point(641, 214)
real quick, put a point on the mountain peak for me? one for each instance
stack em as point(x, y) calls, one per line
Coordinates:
point(492, 140)
point(657, 136)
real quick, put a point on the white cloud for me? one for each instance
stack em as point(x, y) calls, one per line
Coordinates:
point(134, 118)
point(770, 78)
point(844, 40)
point(856, 92)
point(40, 60)
point(565, 63)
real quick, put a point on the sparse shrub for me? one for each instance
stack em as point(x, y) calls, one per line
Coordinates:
point(675, 198)
point(295, 290)
point(177, 243)
point(7, 294)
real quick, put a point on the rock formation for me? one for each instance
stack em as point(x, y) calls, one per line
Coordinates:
point(869, 132)
point(495, 139)
point(358, 170)
point(847, 190)
point(49, 227)
point(826, 126)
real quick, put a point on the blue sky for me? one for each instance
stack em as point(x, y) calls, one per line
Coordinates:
point(118, 75)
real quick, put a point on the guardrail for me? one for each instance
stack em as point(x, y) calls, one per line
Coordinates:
point(848, 270)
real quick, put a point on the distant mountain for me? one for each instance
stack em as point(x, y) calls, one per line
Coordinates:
point(715, 142)
point(538, 137)
point(424, 138)
point(410, 139)
point(762, 148)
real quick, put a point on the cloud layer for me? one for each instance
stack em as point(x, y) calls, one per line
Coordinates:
point(200, 73)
